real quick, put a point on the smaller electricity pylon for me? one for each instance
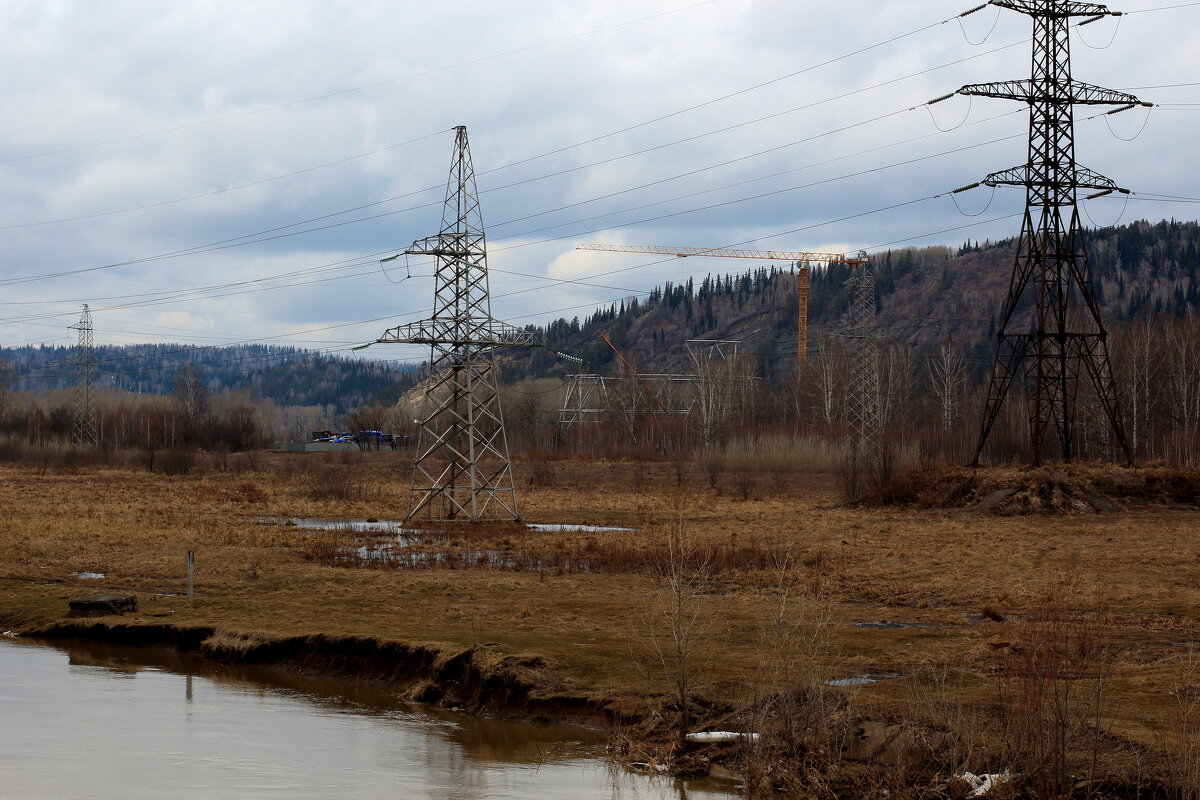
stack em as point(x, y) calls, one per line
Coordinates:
point(862, 411)
point(83, 424)
point(462, 469)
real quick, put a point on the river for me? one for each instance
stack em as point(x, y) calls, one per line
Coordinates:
point(90, 720)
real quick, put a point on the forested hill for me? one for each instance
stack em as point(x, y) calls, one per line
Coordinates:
point(287, 375)
point(924, 295)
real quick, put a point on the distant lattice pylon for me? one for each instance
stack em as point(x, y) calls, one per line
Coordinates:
point(83, 424)
point(863, 338)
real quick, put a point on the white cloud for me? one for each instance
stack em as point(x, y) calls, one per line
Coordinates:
point(98, 72)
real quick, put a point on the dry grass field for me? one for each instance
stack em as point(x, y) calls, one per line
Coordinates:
point(782, 576)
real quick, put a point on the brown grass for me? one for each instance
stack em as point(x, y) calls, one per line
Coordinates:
point(576, 598)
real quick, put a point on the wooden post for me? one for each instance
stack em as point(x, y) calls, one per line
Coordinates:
point(191, 569)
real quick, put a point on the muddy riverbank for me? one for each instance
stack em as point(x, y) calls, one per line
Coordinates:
point(107, 721)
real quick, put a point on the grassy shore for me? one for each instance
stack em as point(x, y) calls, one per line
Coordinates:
point(784, 575)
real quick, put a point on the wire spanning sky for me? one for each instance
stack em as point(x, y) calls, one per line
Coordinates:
point(217, 173)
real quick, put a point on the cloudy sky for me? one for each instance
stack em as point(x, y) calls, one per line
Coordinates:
point(219, 172)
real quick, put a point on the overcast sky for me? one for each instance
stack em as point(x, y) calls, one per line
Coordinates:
point(154, 132)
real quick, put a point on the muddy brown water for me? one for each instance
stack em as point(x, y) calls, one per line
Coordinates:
point(99, 721)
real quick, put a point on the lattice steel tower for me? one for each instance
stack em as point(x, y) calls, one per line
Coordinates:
point(462, 467)
point(83, 425)
point(862, 411)
point(1050, 325)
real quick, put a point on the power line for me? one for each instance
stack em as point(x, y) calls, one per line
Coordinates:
point(227, 189)
point(350, 90)
point(261, 236)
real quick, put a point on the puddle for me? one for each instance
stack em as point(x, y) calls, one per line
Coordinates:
point(862, 680)
point(382, 554)
point(340, 525)
point(566, 527)
point(892, 626)
point(397, 526)
point(388, 543)
point(88, 576)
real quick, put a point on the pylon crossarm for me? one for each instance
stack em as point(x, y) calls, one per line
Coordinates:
point(1039, 8)
point(456, 332)
point(1022, 176)
point(1074, 93)
point(452, 244)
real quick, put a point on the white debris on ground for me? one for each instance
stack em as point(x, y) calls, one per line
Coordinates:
point(10, 634)
point(984, 783)
point(717, 737)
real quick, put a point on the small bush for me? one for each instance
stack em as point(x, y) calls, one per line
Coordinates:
point(336, 482)
point(178, 461)
point(542, 473)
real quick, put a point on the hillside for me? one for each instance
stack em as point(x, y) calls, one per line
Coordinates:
point(287, 375)
point(924, 295)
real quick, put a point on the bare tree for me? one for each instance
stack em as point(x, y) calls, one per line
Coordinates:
point(947, 374)
point(1183, 380)
point(192, 395)
point(7, 374)
point(676, 630)
point(721, 382)
point(897, 374)
point(829, 380)
point(796, 719)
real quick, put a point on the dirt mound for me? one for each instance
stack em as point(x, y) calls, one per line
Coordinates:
point(1053, 489)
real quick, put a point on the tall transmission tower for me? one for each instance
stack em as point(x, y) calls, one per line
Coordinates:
point(462, 469)
point(1050, 327)
point(863, 407)
point(83, 426)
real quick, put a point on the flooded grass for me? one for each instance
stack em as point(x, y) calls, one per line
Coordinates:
point(535, 547)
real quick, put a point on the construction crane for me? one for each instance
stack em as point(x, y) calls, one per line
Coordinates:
point(800, 259)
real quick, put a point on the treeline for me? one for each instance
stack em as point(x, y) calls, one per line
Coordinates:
point(287, 376)
point(188, 418)
point(930, 404)
point(923, 296)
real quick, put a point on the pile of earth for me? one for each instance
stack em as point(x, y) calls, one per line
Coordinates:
point(1052, 489)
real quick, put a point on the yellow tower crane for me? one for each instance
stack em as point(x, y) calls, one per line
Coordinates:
point(800, 259)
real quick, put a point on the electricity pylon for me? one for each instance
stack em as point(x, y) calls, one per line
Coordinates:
point(862, 410)
point(1058, 332)
point(462, 469)
point(83, 424)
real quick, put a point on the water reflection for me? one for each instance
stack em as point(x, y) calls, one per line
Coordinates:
point(102, 721)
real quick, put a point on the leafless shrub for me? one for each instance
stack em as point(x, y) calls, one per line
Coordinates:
point(713, 469)
point(325, 482)
point(1052, 690)
point(177, 461)
point(745, 483)
point(801, 721)
point(675, 628)
point(1181, 765)
point(542, 473)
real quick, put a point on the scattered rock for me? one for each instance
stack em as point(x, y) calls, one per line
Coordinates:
point(102, 604)
point(993, 499)
point(720, 737)
point(982, 784)
point(862, 680)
